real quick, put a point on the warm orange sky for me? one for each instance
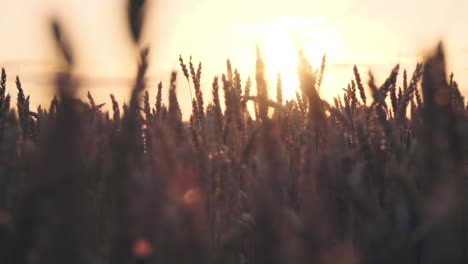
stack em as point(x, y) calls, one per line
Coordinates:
point(369, 33)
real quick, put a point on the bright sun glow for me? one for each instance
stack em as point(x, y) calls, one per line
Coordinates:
point(281, 40)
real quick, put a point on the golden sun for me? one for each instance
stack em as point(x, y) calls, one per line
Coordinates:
point(281, 40)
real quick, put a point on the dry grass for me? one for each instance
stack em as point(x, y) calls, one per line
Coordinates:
point(360, 181)
point(308, 184)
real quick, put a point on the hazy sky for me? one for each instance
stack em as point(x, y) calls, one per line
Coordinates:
point(369, 33)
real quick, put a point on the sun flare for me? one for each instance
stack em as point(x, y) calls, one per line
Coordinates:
point(281, 40)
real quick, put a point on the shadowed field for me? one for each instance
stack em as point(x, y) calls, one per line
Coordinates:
point(377, 176)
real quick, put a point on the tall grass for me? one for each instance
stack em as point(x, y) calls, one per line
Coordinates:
point(349, 183)
point(363, 180)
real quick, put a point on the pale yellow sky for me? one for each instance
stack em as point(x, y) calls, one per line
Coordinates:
point(370, 33)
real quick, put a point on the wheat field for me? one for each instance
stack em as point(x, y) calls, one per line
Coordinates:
point(376, 176)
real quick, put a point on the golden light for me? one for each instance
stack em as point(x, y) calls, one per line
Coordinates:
point(192, 196)
point(280, 56)
point(142, 248)
point(281, 40)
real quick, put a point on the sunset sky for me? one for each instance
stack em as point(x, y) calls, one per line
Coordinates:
point(370, 33)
